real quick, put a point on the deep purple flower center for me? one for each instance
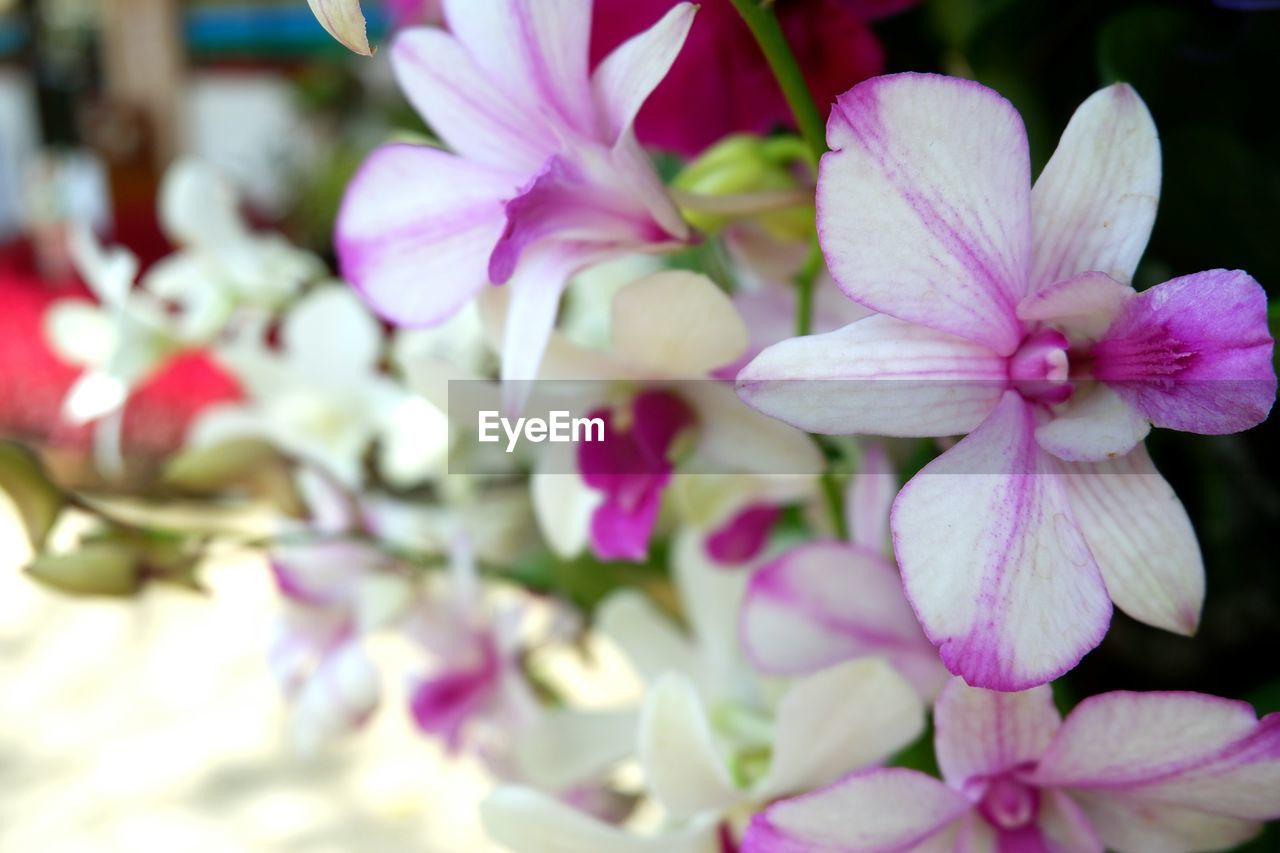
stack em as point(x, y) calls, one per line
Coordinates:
point(1009, 803)
point(1040, 370)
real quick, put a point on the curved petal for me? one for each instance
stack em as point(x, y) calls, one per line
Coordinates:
point(1187, 766)
point(329, 333)
point(1082, 306)
point(535, 298)
point(535, 52)
point(1093, 205)
point(878, 376)
point(993, 561)
point(676, 323)
point(469, 112)
point(627, 76)
point(563, 747)
point(827, 602)
point(1141, 537)
point(1193, 354)
point(986, 733)
point(710, 598)
point(648, 638)
point(1095, 424)
point(80, 332)
point(562, 503)
point(528, 821)
point(416, 229)
point(924, 206)
point(683, 769)
point(843, 718)
point(870, 496)
point(891, 809)
point(343, 20)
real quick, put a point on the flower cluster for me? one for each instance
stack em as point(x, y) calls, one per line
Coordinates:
point(738, 536)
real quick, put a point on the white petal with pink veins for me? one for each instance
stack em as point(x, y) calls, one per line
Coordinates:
point(924, 206)
point(878, 376)
point(1141, 537)
point(993, 560)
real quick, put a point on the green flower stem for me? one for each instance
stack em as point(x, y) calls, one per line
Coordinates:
point(763, 23)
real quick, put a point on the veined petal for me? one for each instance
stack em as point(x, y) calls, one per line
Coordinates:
point(329, 334)
point(533, 50)
point(464, 106)
point(875, 811)
point(1177, 770)
point(535, 299)
point(676, 323)
point(1193, 354)
point(993, 560)
point(415, 231)
point(986, 733)
point(877, 376)
point(827, 602)
point(683, 768)
point(1141, 538)
point(343, 20)
point(1093, 206)
point(924, 204)
point(870, 496)
point(627, 76)
point(1095, 424)
point(843, 718)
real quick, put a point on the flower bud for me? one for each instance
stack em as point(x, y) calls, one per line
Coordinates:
point(105, 568)
point(745, 164)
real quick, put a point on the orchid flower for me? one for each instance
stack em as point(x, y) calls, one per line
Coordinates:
point(474, 693)
point(828, 601)
point(546, 177)
point(669, 333)
point(323, 398)
point(1007, 314)
point(222, 264)
point(336, 593)
point(710, 740)
point(120, 342)
point(1131, 772)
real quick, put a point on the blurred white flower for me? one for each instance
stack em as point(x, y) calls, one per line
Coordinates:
point(322, 397)
point(222, 264)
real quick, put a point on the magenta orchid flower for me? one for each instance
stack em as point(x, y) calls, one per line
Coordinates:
point(546, 177)
point(1124, 771)
point(472, 694)
point(1007, 314)
point(826, 602)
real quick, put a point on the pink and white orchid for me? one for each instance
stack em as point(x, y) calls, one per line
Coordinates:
point(1131, 772)
point(669, 332)
point(824, 602)
point(1007, 314)
point(714, 740)
point(546, 177)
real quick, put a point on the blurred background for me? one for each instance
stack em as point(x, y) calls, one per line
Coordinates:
point(154, 724)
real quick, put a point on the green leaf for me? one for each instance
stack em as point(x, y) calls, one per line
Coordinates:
point(37, 499)
point(229, 463)
point(112, 569)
